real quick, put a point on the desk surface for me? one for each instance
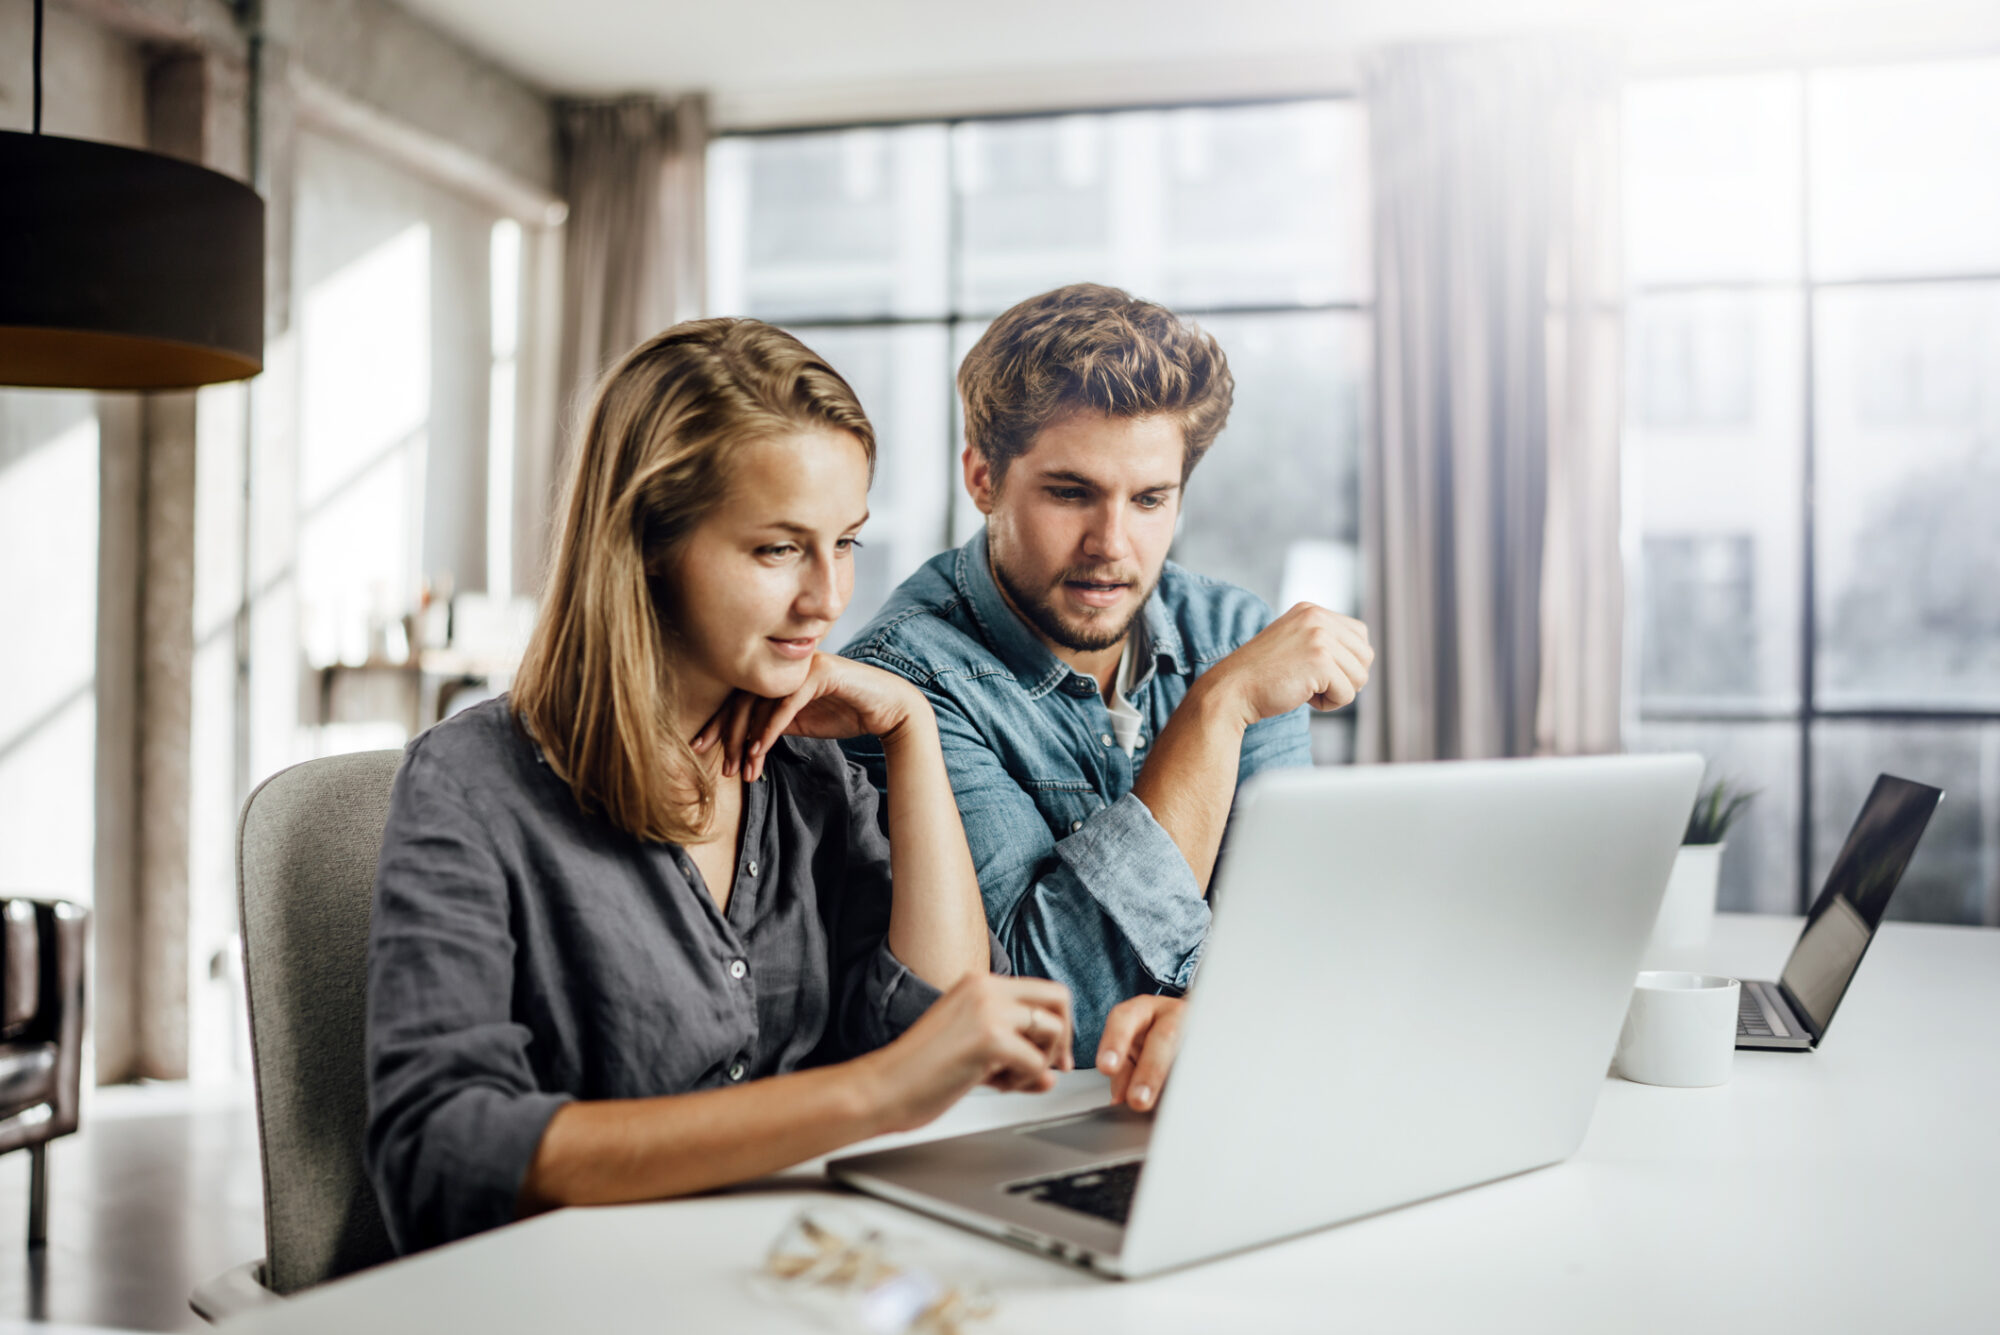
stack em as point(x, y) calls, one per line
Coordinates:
point(1852, 1189)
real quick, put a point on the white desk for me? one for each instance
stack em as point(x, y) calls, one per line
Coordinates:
point(1852, 1189)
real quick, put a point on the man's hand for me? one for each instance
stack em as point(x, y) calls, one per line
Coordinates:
point(1307, 656)
point(1142, 1036)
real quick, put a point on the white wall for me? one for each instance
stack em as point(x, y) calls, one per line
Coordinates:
point(392, 346)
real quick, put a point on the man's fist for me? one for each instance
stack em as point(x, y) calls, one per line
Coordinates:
point(1307, 656)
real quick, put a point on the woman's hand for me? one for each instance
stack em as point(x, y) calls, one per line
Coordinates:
point(1010, 1033)
point(1142, 1036)
point(840, 698)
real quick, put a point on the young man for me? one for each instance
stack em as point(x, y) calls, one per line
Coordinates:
point(1099, 705)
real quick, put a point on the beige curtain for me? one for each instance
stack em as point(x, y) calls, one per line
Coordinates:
point(1579, 708)
point(634, 258)
point(1490, 480)
point(633, 261)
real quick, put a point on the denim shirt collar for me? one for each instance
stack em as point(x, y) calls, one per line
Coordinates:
point(1017, 646)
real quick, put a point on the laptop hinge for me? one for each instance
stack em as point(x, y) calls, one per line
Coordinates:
point(1798, 1011)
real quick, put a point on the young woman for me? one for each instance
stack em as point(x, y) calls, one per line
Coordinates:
point(634, 930)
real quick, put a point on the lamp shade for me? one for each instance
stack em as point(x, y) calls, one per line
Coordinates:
point(121, 269)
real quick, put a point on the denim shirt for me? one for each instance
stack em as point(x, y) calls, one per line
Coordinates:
point(1081, 883)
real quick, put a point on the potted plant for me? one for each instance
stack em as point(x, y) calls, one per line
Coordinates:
point(1688, 910)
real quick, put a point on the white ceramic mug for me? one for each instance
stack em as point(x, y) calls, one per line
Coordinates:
point(1680, 1030)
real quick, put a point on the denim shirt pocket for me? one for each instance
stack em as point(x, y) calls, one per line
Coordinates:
point(1065, 804)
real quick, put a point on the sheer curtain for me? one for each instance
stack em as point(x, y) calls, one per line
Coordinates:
point(1490, 480)
point(633, 260)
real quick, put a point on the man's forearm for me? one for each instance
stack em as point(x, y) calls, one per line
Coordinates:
point(1189, 779)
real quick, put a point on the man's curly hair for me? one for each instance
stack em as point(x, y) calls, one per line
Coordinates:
point(1091, 348)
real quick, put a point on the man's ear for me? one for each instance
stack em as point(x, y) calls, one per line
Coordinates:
point(980, 483)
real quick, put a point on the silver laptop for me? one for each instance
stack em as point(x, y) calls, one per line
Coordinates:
point(1793, 1013)
point(1414, 983)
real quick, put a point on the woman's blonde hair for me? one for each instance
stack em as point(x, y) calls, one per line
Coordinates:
point(665, 430)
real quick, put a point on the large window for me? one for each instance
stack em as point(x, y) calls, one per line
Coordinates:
point(408, 328)
point(889, 249)
point(1814, 430)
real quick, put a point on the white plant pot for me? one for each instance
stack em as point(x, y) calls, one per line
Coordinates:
point(1687, 913)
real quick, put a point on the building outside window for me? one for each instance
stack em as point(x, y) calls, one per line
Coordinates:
point(1814, 436)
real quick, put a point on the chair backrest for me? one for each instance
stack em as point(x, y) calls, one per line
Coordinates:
point(20, 967)
point(306, 850)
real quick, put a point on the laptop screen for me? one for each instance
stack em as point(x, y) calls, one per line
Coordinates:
point(1857, 892)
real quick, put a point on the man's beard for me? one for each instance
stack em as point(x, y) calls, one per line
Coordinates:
point(1042, 615)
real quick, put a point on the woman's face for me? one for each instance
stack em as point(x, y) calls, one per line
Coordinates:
point(764, 577)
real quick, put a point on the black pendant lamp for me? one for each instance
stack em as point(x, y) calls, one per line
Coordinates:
point(121, 269)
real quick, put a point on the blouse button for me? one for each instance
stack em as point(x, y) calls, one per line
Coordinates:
point(737, 968)
point(1108, 739)
point(753, 869)
point(736, 1070)
point(1075, 825)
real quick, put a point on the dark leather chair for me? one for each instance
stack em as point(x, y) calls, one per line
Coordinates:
point(41, 1035)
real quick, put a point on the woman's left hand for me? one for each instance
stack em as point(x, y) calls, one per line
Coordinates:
point(840, 698)
point(1142, 1036)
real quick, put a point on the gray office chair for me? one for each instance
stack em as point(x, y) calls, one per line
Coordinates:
point(306, 849)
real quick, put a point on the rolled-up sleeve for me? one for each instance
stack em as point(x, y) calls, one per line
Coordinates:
point(877, 995)
point(1283, 741)
point(454, 1112)
point(1127, 862)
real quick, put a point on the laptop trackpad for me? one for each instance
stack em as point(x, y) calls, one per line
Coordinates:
point(1106, 1131)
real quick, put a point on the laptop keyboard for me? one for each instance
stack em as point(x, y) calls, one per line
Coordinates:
point(1750, 1021)
point(1103, 1192)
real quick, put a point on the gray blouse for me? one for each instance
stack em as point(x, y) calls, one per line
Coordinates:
point(522, 954)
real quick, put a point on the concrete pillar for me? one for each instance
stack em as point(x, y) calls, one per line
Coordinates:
point(191, 521)
point(166, 659)
point(113, 1010)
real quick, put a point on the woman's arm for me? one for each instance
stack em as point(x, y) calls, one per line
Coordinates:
point(455, 1108)
point(645, 1149)
point(1008, 1032)
point(937, 923)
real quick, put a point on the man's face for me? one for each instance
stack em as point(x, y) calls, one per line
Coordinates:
point(1079, 527)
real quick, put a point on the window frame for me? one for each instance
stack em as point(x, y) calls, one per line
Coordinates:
point(953, 314)
point(1808, 712)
